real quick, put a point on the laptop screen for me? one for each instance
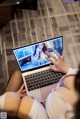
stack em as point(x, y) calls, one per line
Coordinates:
point(33, 56)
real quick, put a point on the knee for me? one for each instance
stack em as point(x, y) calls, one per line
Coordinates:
point(12, 102)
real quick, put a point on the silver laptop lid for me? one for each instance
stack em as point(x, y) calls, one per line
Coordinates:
point(32, 56)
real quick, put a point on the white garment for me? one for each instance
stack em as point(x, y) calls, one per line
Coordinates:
point(38, 111)
point(70, 72)
point(56, 106)
point(2, 101)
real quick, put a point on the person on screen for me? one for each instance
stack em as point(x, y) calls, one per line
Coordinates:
point(38, 57)
point(43, 60)
point(61, 103)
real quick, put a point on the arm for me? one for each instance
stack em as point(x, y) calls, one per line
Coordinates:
point(67, 90)
point(60, 66)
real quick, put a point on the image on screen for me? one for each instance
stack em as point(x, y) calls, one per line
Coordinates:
point(33, 56)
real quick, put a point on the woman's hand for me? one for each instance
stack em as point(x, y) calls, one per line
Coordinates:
point(43, 102)
point(22, 91)
point(58, 63)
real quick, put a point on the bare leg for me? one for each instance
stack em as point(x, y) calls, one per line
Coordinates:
point(16, 106)
point(15, 81)
point(25, 107)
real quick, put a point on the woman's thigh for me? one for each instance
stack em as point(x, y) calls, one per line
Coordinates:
point(31, 108)
point(15, 81)
point(11, 102)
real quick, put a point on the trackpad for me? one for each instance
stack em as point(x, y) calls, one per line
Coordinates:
point(36, 94)
point(46, 90)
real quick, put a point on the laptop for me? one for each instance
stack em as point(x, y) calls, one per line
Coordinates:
point(38, 78)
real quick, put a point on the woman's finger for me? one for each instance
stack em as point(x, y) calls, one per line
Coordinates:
point(22, 95)
point(22, 87)
point(50, 55)
point(51, 60)
point(57, 54)
point(63, 55)
point(24, 91)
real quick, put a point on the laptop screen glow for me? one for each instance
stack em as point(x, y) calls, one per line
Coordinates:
point(33, 56)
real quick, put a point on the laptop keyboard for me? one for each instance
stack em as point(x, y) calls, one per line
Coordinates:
point(41, 79)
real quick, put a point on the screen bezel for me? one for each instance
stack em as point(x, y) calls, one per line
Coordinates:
point(35, 44)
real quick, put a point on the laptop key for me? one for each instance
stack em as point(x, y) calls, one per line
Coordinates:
point(41, 79)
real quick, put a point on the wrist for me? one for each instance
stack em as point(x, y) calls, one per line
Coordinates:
point(66, 69)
